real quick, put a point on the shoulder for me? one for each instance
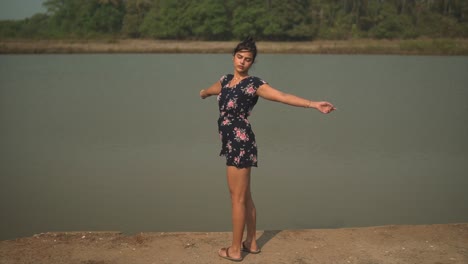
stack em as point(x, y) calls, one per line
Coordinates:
point(257, 81)
point(226, 77)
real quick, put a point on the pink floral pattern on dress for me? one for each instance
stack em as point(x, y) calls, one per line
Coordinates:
point(250, 90)
point(231, 104)
point(226, 122)
point(253, 158)
point(235, 105)
point(229, 146)
point(241, 135)
point(241, 153)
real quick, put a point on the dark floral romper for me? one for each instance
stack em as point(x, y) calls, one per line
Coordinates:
point(235, 104)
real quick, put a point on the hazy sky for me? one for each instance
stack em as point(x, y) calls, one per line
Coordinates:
point(19, 9)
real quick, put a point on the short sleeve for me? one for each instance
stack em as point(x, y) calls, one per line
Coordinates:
point(224, 80)
point(257, 82)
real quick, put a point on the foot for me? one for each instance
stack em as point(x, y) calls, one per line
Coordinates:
point(250, 247)
point(224, 253)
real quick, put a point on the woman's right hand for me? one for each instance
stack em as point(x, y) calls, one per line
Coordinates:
point(203, 94)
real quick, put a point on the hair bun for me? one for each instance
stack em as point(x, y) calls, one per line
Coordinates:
point(249, 39)
point(248, 44)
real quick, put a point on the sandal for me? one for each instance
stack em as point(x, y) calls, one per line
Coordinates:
point(246, 249)
point(227, 255)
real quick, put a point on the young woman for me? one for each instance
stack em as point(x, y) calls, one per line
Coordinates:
point(237, 95)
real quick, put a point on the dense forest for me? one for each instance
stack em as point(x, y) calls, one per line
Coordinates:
point(234, 19)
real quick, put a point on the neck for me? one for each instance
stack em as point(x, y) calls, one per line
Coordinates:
point(238, 76)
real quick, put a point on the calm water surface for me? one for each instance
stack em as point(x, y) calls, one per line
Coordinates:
point(123, 142)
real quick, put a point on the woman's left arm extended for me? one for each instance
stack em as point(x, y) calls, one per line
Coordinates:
point(267, 92)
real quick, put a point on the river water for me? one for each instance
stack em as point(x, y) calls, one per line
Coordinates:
point(123, 142)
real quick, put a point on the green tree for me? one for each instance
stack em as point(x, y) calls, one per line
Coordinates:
point(36, 26)
point(334, 22)
point(9, 28)
point(135, 12)
point(287, 20)
point(245, 18)
point(85, 17)
point(206, 19)
point(107, 17)
point(165, 20)
point(70, 16)
point(227, 19)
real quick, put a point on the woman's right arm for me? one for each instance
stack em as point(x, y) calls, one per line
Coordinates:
point(214, 89)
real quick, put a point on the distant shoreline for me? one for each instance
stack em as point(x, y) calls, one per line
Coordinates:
point(354, 46)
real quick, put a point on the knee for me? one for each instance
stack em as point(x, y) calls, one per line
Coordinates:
point(238, 198)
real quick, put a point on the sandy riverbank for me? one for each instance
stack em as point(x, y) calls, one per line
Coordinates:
point(358, 46)
point(440, 244)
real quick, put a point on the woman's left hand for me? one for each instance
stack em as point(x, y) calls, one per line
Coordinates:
point(324, 107)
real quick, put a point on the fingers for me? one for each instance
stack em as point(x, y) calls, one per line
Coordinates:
point(327, 108)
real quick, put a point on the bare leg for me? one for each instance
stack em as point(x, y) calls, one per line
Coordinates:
point(251, 221)
point(239, 188)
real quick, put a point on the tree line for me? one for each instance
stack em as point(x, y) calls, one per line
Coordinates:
point(234, 19)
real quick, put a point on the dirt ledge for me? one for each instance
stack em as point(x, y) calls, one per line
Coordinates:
point(446, 243)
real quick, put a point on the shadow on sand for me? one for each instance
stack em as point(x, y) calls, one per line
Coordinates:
point(266, 236)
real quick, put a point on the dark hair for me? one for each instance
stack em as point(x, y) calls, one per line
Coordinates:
point(248, 44)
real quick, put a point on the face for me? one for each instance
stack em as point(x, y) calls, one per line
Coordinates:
point(242, 61)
